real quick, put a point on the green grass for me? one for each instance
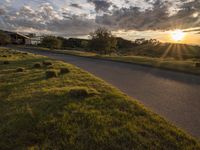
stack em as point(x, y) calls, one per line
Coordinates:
point(170, 62)
point(40, 113)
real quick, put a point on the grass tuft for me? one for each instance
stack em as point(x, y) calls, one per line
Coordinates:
point(64, 70)
point(37, 65)
point(51, 73)
point(47, 63)
point(20, 69)
point(79, 92)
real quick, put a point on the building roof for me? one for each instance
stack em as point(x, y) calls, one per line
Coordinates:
point(16, 33)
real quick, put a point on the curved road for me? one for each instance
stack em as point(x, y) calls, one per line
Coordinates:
point(173, 95)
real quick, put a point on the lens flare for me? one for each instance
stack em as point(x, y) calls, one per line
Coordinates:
point(177, 35)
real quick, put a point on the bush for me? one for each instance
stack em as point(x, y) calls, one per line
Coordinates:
point(79, 92)
point(64, 70)
point(37, 65)
point(4, 39)
point(51, 73)
point(51, 42)
point(47, 63)
point(20, 69)
point(6, 62)
point(197, 65)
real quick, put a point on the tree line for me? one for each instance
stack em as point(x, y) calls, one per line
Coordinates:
point(102, 41)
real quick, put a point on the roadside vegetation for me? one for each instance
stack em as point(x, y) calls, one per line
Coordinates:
point(72, 109)
point(178, 57)
point(4, 39)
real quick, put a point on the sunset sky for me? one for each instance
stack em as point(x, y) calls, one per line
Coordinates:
point(131, 19)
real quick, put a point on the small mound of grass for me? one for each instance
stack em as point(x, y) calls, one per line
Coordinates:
point(47, 63)
point(20, 69)
point(4, 56)
point(64, 70)
point(79, 92)
point(37, 65)
point(6, 62)
point(51, 73)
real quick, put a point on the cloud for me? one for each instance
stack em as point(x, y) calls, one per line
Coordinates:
point(2, 11)
point(157, 17)
point(76, 5)
point(196, 30)
point(64, 17)
point(46, 18)
point(101, 5)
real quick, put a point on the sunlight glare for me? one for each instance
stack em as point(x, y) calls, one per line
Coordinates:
point(177, 35)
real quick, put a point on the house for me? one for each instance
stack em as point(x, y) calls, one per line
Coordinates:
point(21, 39)
point(35, 40)
point(18, 38)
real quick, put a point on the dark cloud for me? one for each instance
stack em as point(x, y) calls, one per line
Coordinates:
point(101, 5)
point(76, 5)
point(157, 17)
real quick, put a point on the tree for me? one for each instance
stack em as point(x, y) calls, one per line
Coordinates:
point(103, 41)
point(4, 39)
point(51, 42)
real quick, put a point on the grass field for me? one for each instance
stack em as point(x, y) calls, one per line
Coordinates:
point(74, 110)
point(169, 62)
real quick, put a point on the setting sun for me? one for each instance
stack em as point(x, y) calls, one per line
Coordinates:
point(177, 35)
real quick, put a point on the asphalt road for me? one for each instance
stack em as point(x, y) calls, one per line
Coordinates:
point(173, 95)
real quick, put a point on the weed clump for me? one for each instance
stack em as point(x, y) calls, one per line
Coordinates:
point(47, 63)
point(79, 92)
point(51, 73)
point(6, 62)
point(64, 70)
point(20, 69)
point(37, 65)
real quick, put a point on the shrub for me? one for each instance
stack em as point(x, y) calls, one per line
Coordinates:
point(47, 63)
point(51, 42)
point(20, 69)
point(37, 65)
point(6, 62)
point(4, 56)
point(4, 38)
point(197, 65)
point(51, 73)
point(79, 92)
point(64, 70)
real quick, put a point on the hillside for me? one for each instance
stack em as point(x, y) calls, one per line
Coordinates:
point(74, 110)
